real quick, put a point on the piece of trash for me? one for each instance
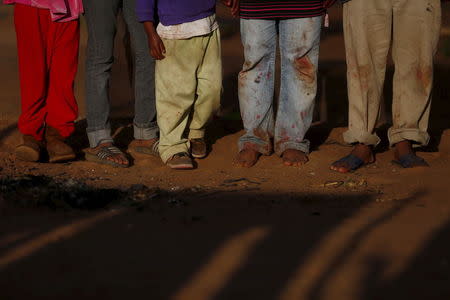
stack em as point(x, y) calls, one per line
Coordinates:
point(353, 184)
point(334, 184)
point(235, 182)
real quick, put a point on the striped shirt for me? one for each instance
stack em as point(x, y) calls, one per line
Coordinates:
point(281, 9)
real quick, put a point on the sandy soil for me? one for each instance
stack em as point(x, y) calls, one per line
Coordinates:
point(81, 231)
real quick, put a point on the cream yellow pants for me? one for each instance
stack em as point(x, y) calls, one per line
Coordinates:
point(371, 27)
point(188, 86)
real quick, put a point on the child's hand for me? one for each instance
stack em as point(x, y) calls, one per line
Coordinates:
point(233, 5)
point(156, 45)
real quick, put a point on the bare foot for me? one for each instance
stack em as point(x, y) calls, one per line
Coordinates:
point(294, 158)
point(361, 151)
point(118, 158)
point(404, 154)
point(247, 158)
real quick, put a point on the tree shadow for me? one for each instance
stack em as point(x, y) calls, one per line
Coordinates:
point(341, 258)
point(427, 276)
point(161, 244)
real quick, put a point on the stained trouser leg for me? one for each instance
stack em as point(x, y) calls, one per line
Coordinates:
point(299, 46)
point(256, 84)
point(176, 84)
point(209, 85)
point(367, 33)
point(416, 34)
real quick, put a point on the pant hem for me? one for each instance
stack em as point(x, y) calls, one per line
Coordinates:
point(99, 136)
point(421, 138)
point(302, 146)
point(145, 132)
point(263, 148)
point(166, 152)
point(196, 134)
point(351, 137)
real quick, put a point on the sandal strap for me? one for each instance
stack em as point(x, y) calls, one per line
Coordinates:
point(410, 159)
point(108, 151)
point(352, 161)
point(181, 154)
point(155, 147)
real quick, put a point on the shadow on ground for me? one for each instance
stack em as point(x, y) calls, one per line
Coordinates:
point(140, 243)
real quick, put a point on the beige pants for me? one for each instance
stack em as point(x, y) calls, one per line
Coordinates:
point(370, 27)
point(188, 86)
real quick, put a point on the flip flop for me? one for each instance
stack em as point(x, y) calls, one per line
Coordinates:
point(101, 157)
point(411, 160)
point(152, 150)
point(352, 161)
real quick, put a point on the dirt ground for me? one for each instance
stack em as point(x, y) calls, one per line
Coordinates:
point(81, 231)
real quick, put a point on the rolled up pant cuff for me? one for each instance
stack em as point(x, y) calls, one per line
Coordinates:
point(262, 147)
point(166, 152)
point(97, 137)
point(142, 132)
point(302, 146)
point(366, 138)
point(420, 138)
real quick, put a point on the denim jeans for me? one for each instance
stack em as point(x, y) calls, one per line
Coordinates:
point(299, 48)
point(101, 18)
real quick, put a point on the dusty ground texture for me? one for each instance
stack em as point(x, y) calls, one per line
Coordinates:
point(81, 231)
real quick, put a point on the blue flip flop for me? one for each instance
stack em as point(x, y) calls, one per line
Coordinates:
point(352, 161)
point(411, 160)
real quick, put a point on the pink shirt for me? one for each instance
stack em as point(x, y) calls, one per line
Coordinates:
point(60, 11)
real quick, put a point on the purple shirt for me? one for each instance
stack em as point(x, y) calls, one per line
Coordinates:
point(173, 12)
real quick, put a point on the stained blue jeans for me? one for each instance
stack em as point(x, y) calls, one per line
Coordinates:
point(101, 19)
point(299, 49)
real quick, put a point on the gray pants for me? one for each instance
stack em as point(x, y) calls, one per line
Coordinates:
point(101, 18)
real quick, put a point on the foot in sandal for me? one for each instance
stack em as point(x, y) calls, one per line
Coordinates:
point(149, 147)
point(181, 161)
point(405, 156)
point(361, 155)
point(108, 154)
point(294, 158)
point(198, 148)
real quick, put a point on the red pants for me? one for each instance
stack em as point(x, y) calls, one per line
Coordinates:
point(48, 62)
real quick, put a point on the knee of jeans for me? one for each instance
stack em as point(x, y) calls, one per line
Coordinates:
point(255, 56)
point(100, 52)
point(305, 69)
